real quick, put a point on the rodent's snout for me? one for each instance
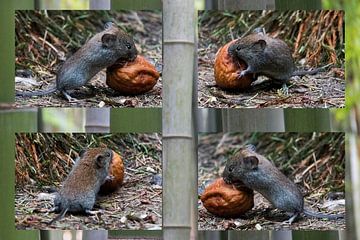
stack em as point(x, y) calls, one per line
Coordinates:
point(231, 49)
point(226, 176)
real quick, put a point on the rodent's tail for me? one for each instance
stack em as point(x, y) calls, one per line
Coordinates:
point(58, 217)
point(311, 72)
point(322, 215)
point(38, 93)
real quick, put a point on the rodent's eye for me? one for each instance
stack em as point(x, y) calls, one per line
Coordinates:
point(128, 45)
point(231, 168)
point(238, 48)
point(107, 154)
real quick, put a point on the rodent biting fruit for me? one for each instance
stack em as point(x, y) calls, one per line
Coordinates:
point(102, 50)
point(227, 70)
point(136, 77)
point(266, 56)
point(258, 173)
point(227, 200)
point(116, 171)
point(80, 188)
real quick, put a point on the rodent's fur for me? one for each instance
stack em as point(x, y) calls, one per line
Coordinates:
point(266, 56)
point(102, 50)
point(80, 188)
point(258, 173)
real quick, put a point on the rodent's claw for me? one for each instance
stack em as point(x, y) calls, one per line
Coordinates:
point(242, 73)
point(109, 178)
point(291, 219)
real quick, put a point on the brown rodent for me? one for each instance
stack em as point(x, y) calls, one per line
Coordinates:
point(80, 188)
point(102, 50)
point(266, 56)
point(258, 173)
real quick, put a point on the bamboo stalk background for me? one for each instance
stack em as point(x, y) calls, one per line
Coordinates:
point(12, 121)
point(179, 157)
point(97, 120)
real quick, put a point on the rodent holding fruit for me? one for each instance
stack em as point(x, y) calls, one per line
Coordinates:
point(80, 188)
point(258, 173)
point(102, 50)
point(266, 56)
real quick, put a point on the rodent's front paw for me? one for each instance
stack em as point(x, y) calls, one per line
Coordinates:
point(242, 73)
point(109, 178)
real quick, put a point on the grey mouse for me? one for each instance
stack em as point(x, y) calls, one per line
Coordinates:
point(266, 56)
point(258, 173)
point(102, 50)
point(80, 188)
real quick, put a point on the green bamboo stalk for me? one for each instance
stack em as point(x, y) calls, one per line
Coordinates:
point(307, 120)
point(136, 4)
point(246, 4)
point(298, 4)
point(315, 235)
point(12, 121)
point(7, 46)
point(179, 153)
point(135, 120)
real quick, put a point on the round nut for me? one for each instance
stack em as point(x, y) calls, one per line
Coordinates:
point(116, 169)
point(227, 70)
point(133, 78)
point(224, 200)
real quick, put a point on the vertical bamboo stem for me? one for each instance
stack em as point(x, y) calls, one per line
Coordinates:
point(246, 4)
point(257, 120)
point(97, 120)
point(179, 153)
point(354, 173)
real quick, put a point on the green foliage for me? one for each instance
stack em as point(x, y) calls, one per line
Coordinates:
point(332, 4)
point(64, 4)
point(352, 53)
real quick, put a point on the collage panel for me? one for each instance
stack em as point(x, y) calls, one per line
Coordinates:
point(88, 58)
point(271, 59)
point(88, 181)
point(271, 181)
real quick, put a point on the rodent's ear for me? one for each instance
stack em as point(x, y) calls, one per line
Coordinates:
point(260, 44)
point(251, 162)
point(108, 25)
point(100, 161)
point(108, 40)
point(251, 147)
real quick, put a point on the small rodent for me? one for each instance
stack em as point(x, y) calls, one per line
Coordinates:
point(80, 188)
point(266, 56)
point(258, 173)
point(102, 50)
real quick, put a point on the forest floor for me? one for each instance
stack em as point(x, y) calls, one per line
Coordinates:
point(146, 28)
point(262, 216)
point(322, 90)
point(137, 204)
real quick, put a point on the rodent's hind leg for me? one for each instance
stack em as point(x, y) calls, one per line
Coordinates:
point(55, 209)
point(291, 219)
point(68, 97)
point(284, 89)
